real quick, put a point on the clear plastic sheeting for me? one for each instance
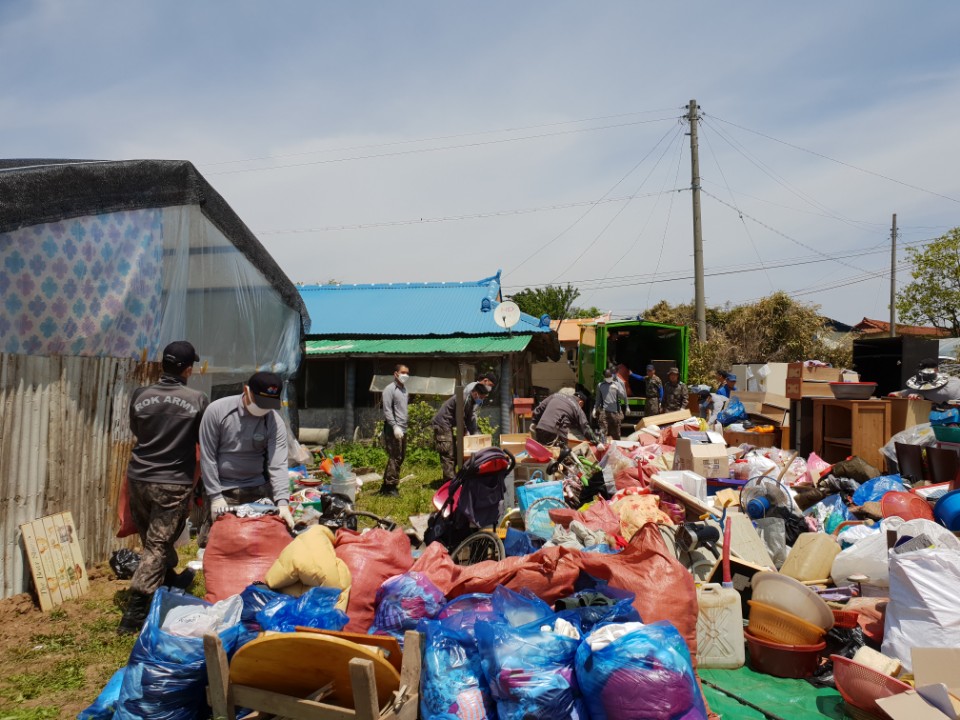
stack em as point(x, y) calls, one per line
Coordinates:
point(124, 284)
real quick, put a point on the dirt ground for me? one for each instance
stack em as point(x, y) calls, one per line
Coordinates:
point(52, 665)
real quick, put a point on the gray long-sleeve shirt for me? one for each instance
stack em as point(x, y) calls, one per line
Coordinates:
point(446, 417)
point(395, 405)
point(561, 413)
point(610, 396)
point(239, 449)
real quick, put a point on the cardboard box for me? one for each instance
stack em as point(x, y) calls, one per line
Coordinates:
point(476, 443)
point(702, 453)
point(799, 371)
point(664, 419)
point(768, 407)
point(798, 389)
point(761, 377)
point(910, 705)
point(906, 413)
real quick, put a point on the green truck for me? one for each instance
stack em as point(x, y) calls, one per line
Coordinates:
point(634, 343)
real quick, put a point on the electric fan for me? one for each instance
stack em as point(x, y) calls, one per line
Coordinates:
point(762, 494)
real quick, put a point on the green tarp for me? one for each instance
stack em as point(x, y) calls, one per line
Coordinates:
point(778, 697)
point(476, 345)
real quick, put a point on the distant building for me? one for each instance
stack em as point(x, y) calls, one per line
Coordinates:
point(868, 328)
point(360, 332)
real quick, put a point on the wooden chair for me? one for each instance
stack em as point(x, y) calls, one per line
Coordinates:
point(944, 465)
point(910, 461)
point(290, 675)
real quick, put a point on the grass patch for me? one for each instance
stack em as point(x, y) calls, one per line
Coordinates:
point(416, 495)
point(66, 675)
point(34, 713)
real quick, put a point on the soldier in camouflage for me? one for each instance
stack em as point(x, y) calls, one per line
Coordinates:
point(654, 392)
point(676, 396)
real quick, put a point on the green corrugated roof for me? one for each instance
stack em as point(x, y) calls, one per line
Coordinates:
point(489, 344)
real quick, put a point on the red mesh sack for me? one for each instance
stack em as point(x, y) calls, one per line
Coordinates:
point(628, 478)
point(124, 515)
point(436, 564)
point(240, 551)
point(664, 589)
point(372, 557)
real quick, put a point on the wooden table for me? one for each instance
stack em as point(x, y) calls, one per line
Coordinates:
point(844, 428)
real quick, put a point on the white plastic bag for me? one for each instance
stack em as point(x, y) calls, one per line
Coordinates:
point(198, 620)
point(865, 557)
point(923, 610)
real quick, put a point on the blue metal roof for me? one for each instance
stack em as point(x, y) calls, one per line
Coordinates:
point(410, 309)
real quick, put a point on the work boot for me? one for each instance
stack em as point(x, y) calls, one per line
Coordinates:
point(389, 491)
point(181, 581)
point(138, 607)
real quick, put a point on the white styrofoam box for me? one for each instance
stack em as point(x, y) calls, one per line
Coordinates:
point(687, 480)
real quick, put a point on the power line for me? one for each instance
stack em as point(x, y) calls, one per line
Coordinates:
point(773, 229)
point(435, 138)
point(454, 218)
point(839, 162)
point(590, 209)
point(743, 222)
point(620, 211)
point(723, 270)
point(479, 143)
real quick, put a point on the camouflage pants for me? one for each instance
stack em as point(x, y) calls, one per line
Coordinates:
point(652, 407)
point(160, 512)
point(610, 424)
point(443, 441)
point(396, 452)
point(233, 496)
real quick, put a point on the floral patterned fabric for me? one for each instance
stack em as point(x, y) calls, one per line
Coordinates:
point(88, 286)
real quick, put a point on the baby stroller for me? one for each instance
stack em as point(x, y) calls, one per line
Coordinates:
point(469, 508)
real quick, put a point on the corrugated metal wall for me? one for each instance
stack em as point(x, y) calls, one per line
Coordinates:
point(64, 445)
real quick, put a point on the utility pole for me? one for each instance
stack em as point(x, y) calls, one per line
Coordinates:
point(697, 229)
point(893, 278)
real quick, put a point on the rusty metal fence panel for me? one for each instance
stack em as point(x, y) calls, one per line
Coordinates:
point(64, 445)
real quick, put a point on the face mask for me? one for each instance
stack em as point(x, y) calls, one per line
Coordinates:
point(256, 410)
point(478, 401)
point(402, 378)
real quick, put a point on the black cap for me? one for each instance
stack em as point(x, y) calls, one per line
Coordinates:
point(929, 363)
point(266, 388)
point(582, 396)
point(178, 356)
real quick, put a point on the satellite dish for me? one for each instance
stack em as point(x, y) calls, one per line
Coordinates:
point(506, 314)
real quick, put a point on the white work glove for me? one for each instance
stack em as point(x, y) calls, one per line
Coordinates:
point(398, 432)
point(218, 507)
point(601, 447)
point(286, 515)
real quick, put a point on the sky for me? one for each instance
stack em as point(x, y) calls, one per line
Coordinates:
point(442, 141)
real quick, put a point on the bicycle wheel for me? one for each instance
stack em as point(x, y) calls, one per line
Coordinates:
point(361, 520)
point(482, 545)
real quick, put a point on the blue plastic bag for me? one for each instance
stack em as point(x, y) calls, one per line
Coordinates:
point(316, 608)
point(733, 412)
point(873, 490)
point(831, 511)
point(106, 703)
point(256, 597)
point(452, 683)
point(646, 673)
point(403, 601)
point(519, 608)
point(166, 675)
point(530, 670)
point(579, 609)
point(518, 543)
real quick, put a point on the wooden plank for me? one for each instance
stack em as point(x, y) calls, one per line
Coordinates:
point(49, 569)
point(410, 672)
point(287, 706)
point(72, 556)
point(686, 498)
point(56, 555)
point(364, 687)
point(77, 552)
point(218, 673)
point(49, 598)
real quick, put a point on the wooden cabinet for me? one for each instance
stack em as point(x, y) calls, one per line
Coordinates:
point(842, 428)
